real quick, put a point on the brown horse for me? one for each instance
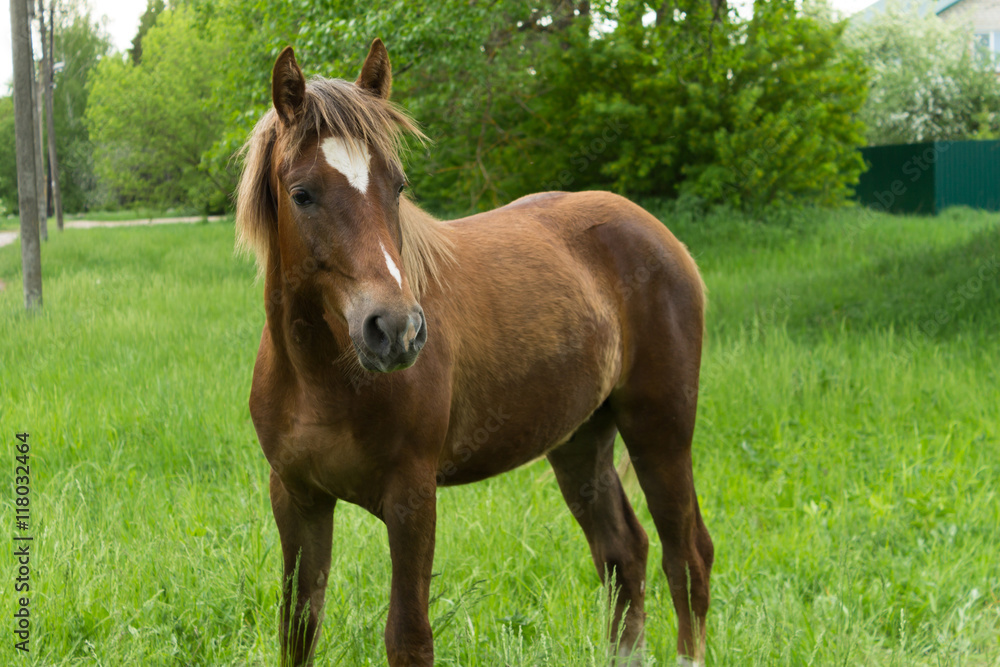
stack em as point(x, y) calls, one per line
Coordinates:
point(402, 353)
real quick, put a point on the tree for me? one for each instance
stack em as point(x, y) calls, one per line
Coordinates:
point(46, 78)
point(148, 19)
point(464, 70)
point(516, 97)
point(928, 81)
point(8, 157)
point(151, 122)
point(79, 43)
point(38, 101)
point(746, 113)
point(31, 257)
point(687, 100)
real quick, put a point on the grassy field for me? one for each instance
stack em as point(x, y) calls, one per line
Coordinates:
point(847, 459)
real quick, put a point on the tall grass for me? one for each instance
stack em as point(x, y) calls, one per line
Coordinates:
point(847, 460)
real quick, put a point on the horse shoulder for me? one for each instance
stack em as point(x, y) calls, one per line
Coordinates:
point(267, 401)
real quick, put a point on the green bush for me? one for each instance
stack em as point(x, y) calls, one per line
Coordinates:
point(516, 97)
point(739, 112)
point(521, 97)
point(151, 122)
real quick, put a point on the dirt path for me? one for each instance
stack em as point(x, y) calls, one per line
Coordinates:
point(6, 238)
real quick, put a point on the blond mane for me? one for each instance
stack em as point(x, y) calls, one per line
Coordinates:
point(340, 108)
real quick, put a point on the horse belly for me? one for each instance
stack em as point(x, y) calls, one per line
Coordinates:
point(540, 348)
point(510, 423)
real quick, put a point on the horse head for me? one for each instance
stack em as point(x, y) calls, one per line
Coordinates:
point(335, 186)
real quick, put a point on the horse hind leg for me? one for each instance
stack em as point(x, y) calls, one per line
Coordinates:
point(655, 412)
point(584, 468)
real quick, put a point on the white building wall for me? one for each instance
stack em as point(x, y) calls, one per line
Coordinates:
point(982, 15)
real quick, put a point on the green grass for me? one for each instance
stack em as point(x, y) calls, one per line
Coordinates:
point(847, 459)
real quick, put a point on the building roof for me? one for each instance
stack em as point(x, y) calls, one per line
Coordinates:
point(945, 4)
point(920, 6)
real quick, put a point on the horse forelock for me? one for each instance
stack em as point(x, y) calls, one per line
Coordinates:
point(334, 107)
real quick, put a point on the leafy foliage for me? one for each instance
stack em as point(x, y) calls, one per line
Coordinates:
point(927, 84)
point(462, 70)
point(151, 122)
point(148, 19)
point(256, 31)
point(741, 112)
point(519, 97)
point(516, 97)
point(79, 43)
point(8, 156)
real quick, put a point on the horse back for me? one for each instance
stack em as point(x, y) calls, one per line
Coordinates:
point(550, 304)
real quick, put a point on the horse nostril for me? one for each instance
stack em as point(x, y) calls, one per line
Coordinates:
point(421, 336)
point(376, 335)
point(413, 325)
point(391, 337)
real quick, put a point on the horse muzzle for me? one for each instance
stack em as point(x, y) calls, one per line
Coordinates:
point(391, 341)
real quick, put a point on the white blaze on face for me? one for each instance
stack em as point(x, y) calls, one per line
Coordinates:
point(391, 266)
point(684, 661)
point(350, 157)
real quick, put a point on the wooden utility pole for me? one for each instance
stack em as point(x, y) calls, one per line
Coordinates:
point(38, 99)
point(48, 54)
point(24, 130)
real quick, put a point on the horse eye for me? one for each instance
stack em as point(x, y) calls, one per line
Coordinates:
point(301, 197)
point(402, 186)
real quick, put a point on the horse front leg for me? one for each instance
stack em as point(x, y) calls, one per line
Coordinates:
point(306, 534)
point(410, 513)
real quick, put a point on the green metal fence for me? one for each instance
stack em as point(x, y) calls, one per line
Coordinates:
point(929, 177)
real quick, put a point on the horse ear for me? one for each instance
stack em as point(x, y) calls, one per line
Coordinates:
point(288, 87)
point(376, 73)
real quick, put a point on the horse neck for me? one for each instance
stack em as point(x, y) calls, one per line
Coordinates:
point(299, 333)
point(428, 249)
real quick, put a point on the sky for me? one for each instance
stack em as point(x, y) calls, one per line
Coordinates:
point(122, 22)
